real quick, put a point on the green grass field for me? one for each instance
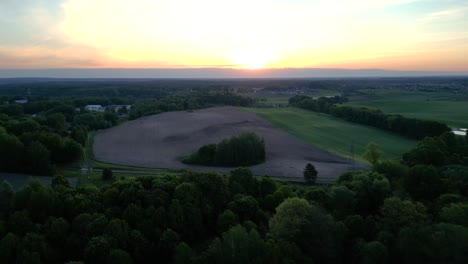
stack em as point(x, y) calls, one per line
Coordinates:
point(332, 134)
point(449, 108)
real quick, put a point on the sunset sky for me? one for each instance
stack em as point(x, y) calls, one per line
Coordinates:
point(428, 35)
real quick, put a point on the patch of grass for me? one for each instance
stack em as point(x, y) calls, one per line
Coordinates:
point(449, 108)
point(333, 134)
point(95, 177)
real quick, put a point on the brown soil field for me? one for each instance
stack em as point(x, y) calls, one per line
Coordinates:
point(160, 141)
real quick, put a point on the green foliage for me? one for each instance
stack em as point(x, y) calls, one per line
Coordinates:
point(397, 213)
point(423, 182)
point(373, 153)
point(371, 189)
point(226, 220)
point(107, 174)
point(455, 213)
point(310, 174)
point(408, 127)
point(119, 256)
point(237, 246)
point(199, 217)
point(184, 254)
point(314, 232)
point(374, 252)
point(439, 243)
point(242, 181)
point(96, 250)
point(343, 200)
point(187, 102)
point(38, 157)
point(243, 150)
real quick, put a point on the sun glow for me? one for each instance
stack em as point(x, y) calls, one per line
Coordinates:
point(253, 59)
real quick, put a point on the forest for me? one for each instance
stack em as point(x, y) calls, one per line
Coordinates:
point(242, 150)
point(38, 136)
point(407, 127)
point(409, 212)
point(37, 143)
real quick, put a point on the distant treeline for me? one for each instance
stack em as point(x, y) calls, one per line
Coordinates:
point(243, 150)
point(408, 127)
point(130, 88)
point(158, 88)
point(187, 102)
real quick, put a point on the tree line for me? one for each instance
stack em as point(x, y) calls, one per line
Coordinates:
point(243, 150)
point(187, 102)
point(407, 127)
point(54, 136)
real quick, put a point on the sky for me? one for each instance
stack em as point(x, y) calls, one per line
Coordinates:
point(406, 35)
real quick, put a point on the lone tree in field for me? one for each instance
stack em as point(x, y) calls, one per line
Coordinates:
point(310, 174)
point(373, 153)
point(107, 174)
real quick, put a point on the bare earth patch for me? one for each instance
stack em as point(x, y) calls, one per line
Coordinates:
point(162, 140)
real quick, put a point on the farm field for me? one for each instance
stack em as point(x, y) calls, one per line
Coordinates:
point(161, 141)
point(448, 108)
point(332, 134)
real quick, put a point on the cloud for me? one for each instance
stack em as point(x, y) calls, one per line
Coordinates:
point(447, 14)
point(41, 57)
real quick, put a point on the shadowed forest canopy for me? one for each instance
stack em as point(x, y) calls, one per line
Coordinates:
point(243, 150)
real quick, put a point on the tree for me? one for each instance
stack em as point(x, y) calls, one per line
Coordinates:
point(8, 248)
point(397, 213)
point(245, 206)
point(11, 151)
point(237, 246)
point(183, 253)
point(438, 243)
point(60, 181)
point(423, 182)
point(96, 250)
point(6, 197)
point(107, 174)
point(243, 150)
point(310, 174)
point(242, 181)
point(226, 220)
point(374, 252)
point(119, 256)
point(342, 201)
point(455, 213)
point(373, 153)
point(309, 227)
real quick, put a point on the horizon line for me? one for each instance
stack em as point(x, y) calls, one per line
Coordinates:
point(218, 73)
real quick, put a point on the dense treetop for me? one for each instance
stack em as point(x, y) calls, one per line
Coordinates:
point(408, 212)
point(243, 150)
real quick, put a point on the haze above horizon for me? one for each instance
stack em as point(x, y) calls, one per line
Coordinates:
point(244, 38)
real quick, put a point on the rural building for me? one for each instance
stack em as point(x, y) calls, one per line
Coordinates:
point(460, 131)
point(118, 107)
point(21, 101)
point(98, 108)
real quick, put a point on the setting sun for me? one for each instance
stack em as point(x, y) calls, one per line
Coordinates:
point(253, 59)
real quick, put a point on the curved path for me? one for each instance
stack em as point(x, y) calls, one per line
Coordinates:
point(162, 140)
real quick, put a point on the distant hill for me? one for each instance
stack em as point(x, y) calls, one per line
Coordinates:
point(216, 73)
